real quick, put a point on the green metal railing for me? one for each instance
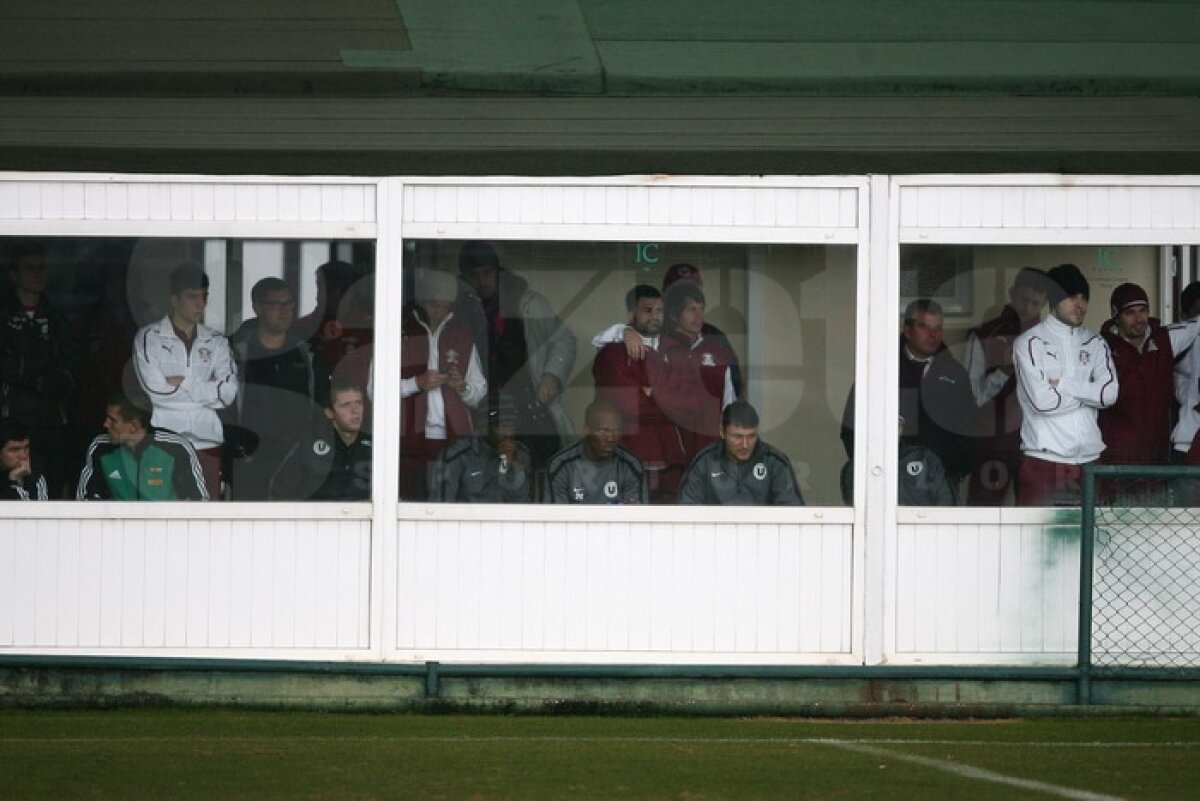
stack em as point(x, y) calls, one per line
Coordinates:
point(1139, 574)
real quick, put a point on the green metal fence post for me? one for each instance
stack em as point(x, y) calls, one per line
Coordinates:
point(1087, 555)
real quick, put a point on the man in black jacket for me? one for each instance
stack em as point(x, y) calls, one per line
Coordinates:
point(39, 365)
point(284, 386)
point(935, 394)
point(18, 480)
point(335, 464)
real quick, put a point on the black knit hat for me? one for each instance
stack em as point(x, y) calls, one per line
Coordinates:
point(1065, 281)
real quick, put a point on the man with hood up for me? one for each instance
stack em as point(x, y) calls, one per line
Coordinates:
point(529, 351)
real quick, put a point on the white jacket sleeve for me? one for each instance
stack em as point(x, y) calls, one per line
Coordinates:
point(614, 333)
point(1034, 374)
point(984, 385)
point(1097, 387)
point(1183, 335)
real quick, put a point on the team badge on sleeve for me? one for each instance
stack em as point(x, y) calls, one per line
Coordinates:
point(708, 360)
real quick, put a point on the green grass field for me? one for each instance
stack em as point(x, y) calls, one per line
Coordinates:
point(227, 753)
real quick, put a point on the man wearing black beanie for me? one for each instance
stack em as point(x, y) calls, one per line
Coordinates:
point(1065, 376)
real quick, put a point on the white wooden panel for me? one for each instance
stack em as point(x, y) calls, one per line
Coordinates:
point(682, 206)
point(10, 201)
point(1088, 206)
point(971, 589)
point(199, 585)
point(118, 201)
point(617, 588)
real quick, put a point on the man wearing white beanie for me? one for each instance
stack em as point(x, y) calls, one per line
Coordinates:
point(441, 380)
point(1065, 375)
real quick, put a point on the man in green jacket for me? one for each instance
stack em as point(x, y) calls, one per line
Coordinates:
point(135, 461)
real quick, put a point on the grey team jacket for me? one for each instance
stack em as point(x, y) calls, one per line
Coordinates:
point(574, 478)
point(470, 471)
point(765, 479)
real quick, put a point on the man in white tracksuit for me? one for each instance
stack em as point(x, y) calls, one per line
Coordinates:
point(186, 369)
point(1065, 375)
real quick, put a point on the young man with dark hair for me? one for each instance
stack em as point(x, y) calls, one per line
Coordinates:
point(1065, 375)
point(597, 470)
point(701, 368)
point(740, 469)
point(135, 461)
point(18, 480)
point(284, 385)
point(186, 369)
point(334, 465)
point(39, 366)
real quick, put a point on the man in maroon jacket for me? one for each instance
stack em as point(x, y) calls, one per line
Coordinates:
point(989, 363)
point(441, 380)
point(637, 387)
point(1137, 429)
point(698, 366)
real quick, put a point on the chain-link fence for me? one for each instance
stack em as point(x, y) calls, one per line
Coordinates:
point(1140, 571)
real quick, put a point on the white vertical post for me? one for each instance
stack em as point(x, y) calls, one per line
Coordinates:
point(385, 485)
point(1167, 270)
point(877, 375)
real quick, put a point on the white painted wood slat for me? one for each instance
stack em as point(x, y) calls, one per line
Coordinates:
point(615, 587)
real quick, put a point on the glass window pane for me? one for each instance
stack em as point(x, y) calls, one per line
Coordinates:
point(577, 372)
point(167, 369)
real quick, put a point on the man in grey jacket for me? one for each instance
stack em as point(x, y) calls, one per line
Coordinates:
point(485, 468)
point(739, 469)
point(529, 351)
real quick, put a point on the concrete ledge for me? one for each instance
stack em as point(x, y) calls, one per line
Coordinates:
point(29, 685)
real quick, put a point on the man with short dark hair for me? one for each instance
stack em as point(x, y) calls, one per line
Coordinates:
point(647, 401)
point(335, 464)
point(740, 469)
point(135, 461)
point(186, 369)
point(284, 385)
point(597, 470)
point(1065, 375)
point(18, 480)
point(39, 365)
point(1137, 428)
point(492, 467)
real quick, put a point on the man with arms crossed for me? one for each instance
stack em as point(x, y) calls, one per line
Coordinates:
point(187, 371)
point(1065, 375)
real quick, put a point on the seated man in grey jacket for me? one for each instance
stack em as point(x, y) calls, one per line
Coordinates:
point(739, 469)
point(486, 468)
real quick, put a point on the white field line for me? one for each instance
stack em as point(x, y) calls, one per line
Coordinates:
point(969, 772)
point(505, 738)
